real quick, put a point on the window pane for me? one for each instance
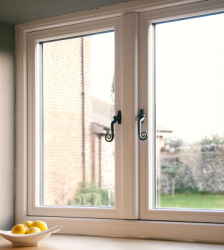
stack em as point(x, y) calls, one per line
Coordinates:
point(190, 113)
point(78, 88)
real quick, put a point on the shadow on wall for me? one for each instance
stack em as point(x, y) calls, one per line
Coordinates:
point(7, 90)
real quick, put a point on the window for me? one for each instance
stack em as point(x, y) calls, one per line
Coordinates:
point(185, 131)
point(129, 187)
point(78, 84)
point(189, 78)
point(73, 86)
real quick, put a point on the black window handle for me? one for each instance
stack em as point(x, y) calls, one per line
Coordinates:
point(142, 135)
point(117, 118)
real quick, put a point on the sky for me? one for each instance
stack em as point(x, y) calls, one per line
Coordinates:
point(102, 65)
point(190, 76)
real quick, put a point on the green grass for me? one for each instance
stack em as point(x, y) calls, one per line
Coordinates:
point(191, 201)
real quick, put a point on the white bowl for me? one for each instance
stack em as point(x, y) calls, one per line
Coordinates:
point(29, 240)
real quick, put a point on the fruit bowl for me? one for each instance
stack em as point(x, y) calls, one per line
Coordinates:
point(29, 240)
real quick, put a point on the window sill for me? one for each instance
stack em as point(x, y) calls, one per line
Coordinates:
point(139, 229)
point(98, 243)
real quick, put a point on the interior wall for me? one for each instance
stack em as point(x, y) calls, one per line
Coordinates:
point(7, 91)
point(24, 11)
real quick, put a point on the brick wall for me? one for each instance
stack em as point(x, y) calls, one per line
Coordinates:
point(63, 140)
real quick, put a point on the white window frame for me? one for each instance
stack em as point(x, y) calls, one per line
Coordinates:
point(129, 64)
point(126, 206)
point(35, 120)
point(147, 150)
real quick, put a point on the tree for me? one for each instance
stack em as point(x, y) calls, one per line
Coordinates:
point(172, 172)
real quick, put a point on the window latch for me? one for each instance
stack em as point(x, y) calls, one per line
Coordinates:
point(117, 118)
point(142, 135)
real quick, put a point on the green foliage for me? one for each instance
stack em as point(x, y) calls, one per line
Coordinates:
point(173, 141)
point(215, 138)
point(171, 170)
point(91, 195)
point(187, 190)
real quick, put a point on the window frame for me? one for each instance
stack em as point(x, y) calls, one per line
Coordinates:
point(171, 230)
point(35, 120)
point(147, 90)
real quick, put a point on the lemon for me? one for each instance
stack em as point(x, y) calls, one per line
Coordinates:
point(28, 223)
point(33, 230)
point(39, 224)
point(19, 229)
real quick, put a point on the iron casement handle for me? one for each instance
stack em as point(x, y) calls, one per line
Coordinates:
point(142, 135)
point(117, 118)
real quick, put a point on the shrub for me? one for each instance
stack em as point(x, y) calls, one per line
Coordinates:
point(91, 195)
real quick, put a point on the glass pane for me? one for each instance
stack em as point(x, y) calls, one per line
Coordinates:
point(78, 88)
point(190, 113)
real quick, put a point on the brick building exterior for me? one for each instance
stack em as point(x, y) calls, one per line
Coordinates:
point(63, 124)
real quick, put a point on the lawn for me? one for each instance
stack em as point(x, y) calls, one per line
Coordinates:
point(192, 201)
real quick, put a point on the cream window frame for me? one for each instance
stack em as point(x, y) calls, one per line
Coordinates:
point(147, 100)
point(35, 134)
point(133, 227)
point(125, 166)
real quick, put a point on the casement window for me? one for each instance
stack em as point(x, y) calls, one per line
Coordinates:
point(184, 123)
point(73, 74)
point(150, 76)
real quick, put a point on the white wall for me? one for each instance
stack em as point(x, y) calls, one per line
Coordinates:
point(7, 91)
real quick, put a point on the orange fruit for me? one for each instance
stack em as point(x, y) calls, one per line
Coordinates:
point(39, 224)
point(33, 230)
point(28, 223)
point(19, 229)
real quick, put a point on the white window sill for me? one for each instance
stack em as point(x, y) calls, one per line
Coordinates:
point(140, 229)
point(98, 243)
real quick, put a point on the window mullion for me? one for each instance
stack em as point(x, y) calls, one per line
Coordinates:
point(130, 111)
